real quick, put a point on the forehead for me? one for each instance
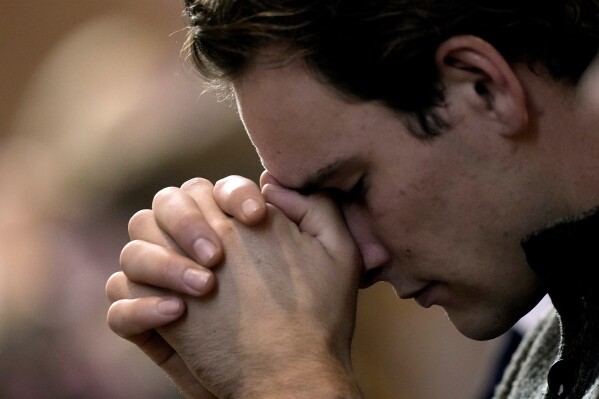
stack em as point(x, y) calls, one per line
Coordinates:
point(298, 124)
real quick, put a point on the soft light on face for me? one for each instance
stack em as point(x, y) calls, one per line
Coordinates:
point(441, 219)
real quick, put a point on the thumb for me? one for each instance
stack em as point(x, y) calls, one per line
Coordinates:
point(315, 214)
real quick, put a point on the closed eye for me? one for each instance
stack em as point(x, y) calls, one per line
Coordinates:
point(355, 194)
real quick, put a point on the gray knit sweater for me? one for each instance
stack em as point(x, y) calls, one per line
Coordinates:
point(560, 357)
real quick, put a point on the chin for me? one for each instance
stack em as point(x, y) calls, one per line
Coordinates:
point(482, 334)
point(487, 320)
point(481, 327)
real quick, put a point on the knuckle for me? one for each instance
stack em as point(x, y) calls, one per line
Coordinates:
point(113, 285)
point(110, 317)
point(229, 180)
point(195, 182)
point(223, 227)
point(127, 253)
point(138, 220)
point(114, 319)
point(164, 195)
point(236, 185)
point(188, 224)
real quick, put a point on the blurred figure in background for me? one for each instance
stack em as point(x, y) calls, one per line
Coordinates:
point(86, 104)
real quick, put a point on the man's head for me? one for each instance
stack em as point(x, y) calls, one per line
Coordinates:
point(338, 96)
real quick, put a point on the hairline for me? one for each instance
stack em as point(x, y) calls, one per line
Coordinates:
point(280, 55)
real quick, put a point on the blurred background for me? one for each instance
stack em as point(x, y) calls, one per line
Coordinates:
point(98, 111)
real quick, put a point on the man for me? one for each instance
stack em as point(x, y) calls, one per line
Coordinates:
point(425, 143)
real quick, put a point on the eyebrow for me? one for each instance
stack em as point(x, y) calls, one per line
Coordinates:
point(324, 175)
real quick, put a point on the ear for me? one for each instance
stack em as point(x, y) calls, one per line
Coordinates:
point(475, 73)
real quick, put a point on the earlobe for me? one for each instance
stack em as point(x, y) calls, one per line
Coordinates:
point(475, 72)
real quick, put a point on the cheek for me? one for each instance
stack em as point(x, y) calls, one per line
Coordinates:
point(405, 211)
point(419, 226)
point(394, 220)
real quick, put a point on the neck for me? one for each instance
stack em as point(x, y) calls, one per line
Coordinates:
point(566, 136)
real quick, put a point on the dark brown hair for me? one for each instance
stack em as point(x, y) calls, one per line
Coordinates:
point(384, 50)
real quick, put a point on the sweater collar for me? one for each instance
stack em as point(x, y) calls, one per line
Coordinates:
point(565, 256)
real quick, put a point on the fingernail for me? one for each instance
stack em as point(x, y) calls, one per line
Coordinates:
point(196, 279)
point(249, 207)
point(205, 250)
point(169, 306)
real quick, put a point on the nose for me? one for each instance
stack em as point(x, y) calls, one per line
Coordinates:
point(359, 221)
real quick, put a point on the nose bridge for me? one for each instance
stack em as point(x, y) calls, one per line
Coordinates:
point(360, 224)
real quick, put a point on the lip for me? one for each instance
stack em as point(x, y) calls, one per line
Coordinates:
point(413, 293)
point(426, 297)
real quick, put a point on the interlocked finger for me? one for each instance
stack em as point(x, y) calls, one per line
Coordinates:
point(179, 215)
point(129, 318)
point(241, 198)
point(155, 265)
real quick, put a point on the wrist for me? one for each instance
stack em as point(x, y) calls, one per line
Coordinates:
point(298, 381)
point(304, 374)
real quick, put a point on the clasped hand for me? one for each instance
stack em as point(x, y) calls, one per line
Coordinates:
point(238, 292)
